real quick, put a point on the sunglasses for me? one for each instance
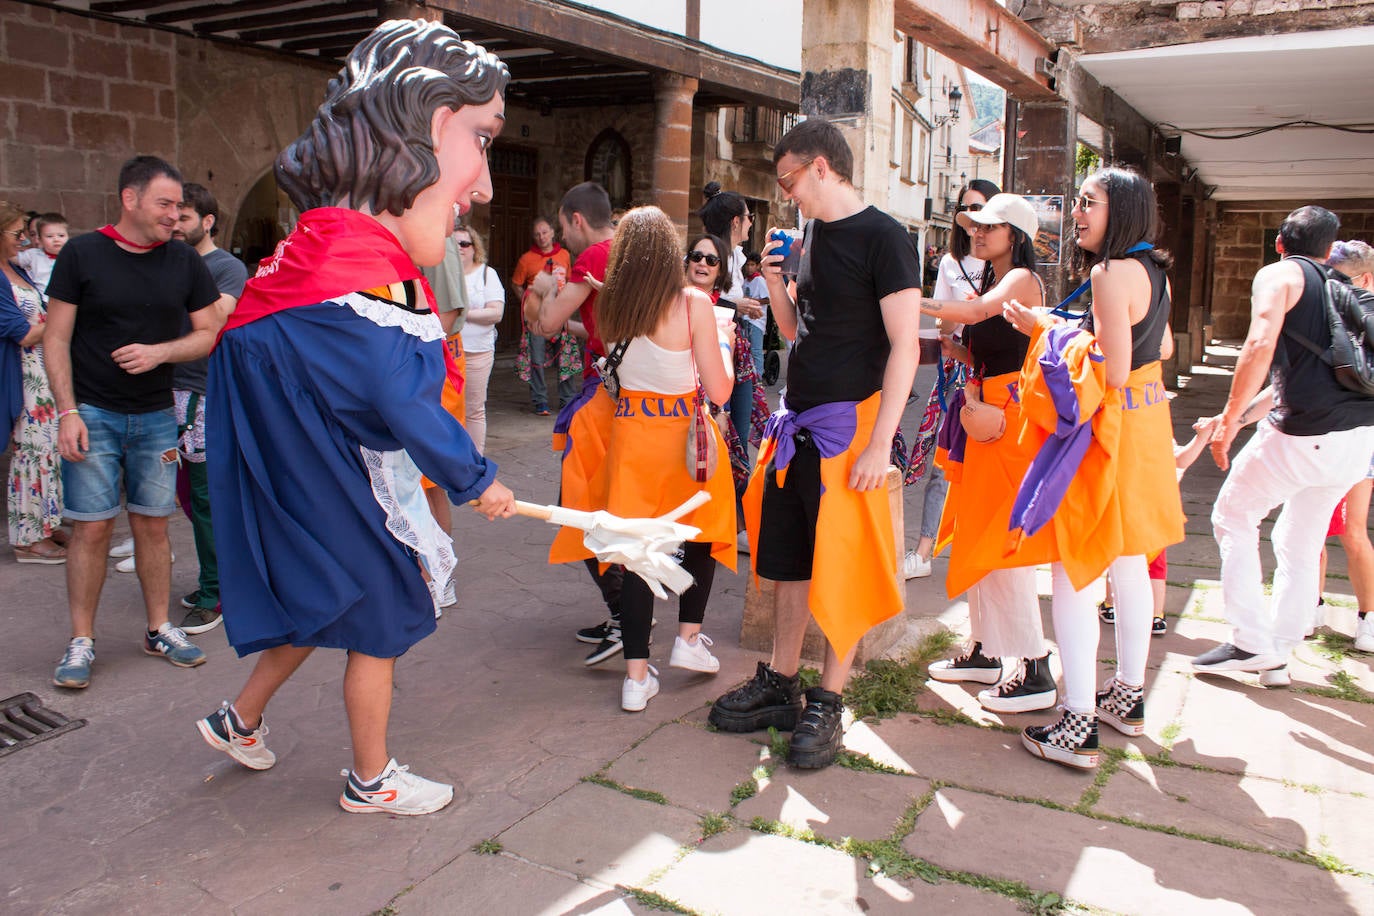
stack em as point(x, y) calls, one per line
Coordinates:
point(986, 227)
point(464, 244)
point(1085, 203)
point(17, 234)
point(696, 257)
point(970, 208)
point(785, 179)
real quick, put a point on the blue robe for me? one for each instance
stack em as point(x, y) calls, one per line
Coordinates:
point(313, 416)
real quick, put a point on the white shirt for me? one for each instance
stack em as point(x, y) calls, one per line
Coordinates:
point(952, 282)
point(484, 285)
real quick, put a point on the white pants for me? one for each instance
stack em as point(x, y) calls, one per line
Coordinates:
point(1307, 475)
point(476, 375)
point(1076, 629)
point(1004, 614)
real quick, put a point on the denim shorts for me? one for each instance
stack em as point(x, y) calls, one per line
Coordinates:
point(141, 445)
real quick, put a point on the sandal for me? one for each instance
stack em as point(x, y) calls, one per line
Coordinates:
point(43, 552)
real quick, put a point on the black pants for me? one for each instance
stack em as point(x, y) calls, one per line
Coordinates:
point(611, 582)
point(637, 601)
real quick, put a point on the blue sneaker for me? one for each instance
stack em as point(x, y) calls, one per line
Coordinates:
point(173, 645)
point(75, 668)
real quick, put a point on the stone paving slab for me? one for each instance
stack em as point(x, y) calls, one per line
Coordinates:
point(745, 874)
point(569, 835)
point(502, 885)
point(991, 760)
point(1122, 868)
point(1262, 812)
point(835, 802)
point(692, 767)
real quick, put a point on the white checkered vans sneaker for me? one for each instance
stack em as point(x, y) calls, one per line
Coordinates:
point(1071, 741)
point(1123, 708)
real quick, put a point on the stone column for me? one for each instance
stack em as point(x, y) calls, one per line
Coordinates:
point(1048, 140)
point(672, 169)
point(847, 79)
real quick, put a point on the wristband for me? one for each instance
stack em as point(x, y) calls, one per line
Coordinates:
point(68, 412)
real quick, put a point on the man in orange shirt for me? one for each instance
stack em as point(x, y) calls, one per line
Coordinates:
point(544, 256)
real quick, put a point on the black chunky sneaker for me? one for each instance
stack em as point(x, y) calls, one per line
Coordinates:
point(768, 700)
point(971, 666)
point(820, 732)
point(1032, 688)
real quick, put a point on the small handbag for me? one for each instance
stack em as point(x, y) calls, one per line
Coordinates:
point(702, 451)
point(606, 368)
point(982, 421)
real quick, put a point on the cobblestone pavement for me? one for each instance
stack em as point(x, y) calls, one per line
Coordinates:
point(1238, 799)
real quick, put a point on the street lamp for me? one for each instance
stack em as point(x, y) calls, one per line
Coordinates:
point(955, 97)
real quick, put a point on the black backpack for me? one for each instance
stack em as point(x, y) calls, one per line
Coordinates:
point(1350, 316)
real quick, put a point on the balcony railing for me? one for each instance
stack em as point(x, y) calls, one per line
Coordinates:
point(755, 124)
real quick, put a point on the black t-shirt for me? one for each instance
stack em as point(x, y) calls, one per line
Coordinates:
point(123, 298)
point(847, 267)
point(1308, 399)
point(230, 276)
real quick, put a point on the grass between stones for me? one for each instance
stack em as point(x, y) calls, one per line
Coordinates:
point(597, 779)
point(488, 847)
point(652, 901)
point(712, 824)
point(889, 686)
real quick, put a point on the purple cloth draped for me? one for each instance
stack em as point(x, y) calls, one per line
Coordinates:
point(952, 437)
point(566, 412)
point(1053, 469)
point(831, 427)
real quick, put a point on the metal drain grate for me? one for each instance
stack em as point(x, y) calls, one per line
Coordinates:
point(24, 721)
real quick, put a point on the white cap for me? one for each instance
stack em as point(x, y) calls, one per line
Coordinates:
point(1003, 208)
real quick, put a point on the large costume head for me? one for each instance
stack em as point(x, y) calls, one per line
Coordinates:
point(372, 145)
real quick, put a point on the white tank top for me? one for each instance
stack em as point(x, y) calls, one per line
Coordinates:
point(649, 367)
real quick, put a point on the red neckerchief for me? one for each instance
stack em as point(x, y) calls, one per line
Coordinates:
point(112, 233)
point(546, 254)
point(51, 257)
point(333, 251)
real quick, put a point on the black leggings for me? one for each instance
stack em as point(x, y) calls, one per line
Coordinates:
point(637, 601)
point(610, 583)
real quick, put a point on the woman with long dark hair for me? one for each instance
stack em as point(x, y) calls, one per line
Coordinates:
point(669, 346)
point(1115, 219)
point(1004, 609)
point(959, 276)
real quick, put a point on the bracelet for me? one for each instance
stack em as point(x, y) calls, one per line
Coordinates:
point(68, 412)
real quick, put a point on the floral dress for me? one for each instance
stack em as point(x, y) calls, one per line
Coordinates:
point(35, 485)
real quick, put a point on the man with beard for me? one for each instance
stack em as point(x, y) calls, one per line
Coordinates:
point(197, 225)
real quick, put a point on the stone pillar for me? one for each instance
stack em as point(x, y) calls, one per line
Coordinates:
point(672, 172)
point(756, 632)
point(1044, 161)
point(847, 79)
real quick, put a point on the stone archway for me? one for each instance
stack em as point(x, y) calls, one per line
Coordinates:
point(609, 165)
point(265, 217)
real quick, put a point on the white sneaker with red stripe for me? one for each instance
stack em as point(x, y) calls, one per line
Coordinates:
point(221, 732)
point(396, 791)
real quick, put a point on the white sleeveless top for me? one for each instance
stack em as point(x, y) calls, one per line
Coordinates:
point(649, 367)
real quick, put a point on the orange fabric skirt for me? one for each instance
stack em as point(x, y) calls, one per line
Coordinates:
point(645, 474)
point(587, 440)
point(854, 583)
point(1147, 477)
point(978, 507)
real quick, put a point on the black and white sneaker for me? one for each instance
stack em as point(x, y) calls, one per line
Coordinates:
point(1123, 708)
point(609, 647)
point(1107, 611)
point(1227, 657)
point(1032, 688)
point(594, 635)
point(1071, 741)
point(971, 666)
point(1158, 627)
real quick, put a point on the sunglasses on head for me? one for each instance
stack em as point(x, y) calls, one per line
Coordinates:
point(698, 256)
point(464, 243)
point(970, 208)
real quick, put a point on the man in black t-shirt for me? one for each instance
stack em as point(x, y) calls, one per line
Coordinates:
point(1307, 453)
point(118, 301)
point(823, 529)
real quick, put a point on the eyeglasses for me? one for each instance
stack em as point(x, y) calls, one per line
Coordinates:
point(464, 244)
point(1085, 203)
point(697, 257)
point(785, 179)
point(17, 234)
point(970, 208)
point(986, 227)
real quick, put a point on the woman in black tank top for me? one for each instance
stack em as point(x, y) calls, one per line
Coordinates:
point(1115, 219)
point(1004, 611)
